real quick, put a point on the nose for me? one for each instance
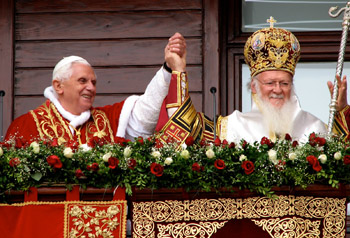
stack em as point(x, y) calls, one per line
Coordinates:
point(277, 88)
point(90, 86)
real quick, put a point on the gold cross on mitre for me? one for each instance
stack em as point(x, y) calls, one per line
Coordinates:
point(271, 21)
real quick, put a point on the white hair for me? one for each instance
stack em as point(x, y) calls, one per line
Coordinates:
point(63, 69)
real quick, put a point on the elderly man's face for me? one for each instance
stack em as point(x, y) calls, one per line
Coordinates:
point(275, 86)
point(77, 94)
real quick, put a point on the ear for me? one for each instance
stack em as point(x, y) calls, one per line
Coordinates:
point(57, 86)
point(253, 85)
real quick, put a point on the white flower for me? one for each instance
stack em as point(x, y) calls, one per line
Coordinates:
point(1, 151)
point(292, 156)
point(323, 158)
point(156, 154)
point(337, 155)
point(127, 152)
point(183, 146)
point(68, 152)
point(35, 146)
point(106, 156)
point(273, 156)
point(242, 158)
point(85, 147)
point(210, 153)
point(168, 161)
point(185, 154)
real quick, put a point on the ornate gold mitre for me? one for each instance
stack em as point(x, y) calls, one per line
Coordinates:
point(271, 49)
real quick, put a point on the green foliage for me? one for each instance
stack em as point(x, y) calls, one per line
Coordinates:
point(192, 167)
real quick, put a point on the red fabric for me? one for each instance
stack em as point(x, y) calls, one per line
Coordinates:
point(58, 220)
point(39, 221)
point(31, 195)
point(31, 132)
point(74, 194)
point(163, 116)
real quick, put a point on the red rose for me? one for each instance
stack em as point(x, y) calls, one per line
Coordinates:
point(295, 144)
point(196, 167)
point(140, 140)
point(94, 167)
point(79, 173)
point(232, 145)
point(157, 169)
point(203, 142)
point(217, 141)
point(244, 144)
point(320, 141)
point(132, 163)
point(288, 137)
point(113, 162)
point(266, 141)
point(219, 164)
point(224, 143)
point(20, 143)
point(346, 159)
point(14, 162)
point(314, 162)
point(54, 161)
point(121, 141)
point(189, 141)
point(248, 166)
point(54, 142)
point(158, 144)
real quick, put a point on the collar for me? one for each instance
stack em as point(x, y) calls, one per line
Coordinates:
point(74, 120)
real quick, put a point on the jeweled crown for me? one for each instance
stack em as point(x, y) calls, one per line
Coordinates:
point(271, 49)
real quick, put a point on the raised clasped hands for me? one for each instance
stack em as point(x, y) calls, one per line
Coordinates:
point(175, 53)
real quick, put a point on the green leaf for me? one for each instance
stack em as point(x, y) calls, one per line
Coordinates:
point(37, 176)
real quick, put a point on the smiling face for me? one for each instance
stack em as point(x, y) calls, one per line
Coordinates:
point(275, 86)
point(77, 93)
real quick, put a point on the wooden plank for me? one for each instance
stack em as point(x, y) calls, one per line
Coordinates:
point(102, 53)
point(30, 6)
point(24, 104)
point(6, 63)
point(109, 80)
point(211, 76)
point(107, 25)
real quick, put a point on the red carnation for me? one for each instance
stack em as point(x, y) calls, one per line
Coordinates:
point(14, 162)
point(113, 162)
point(248, 167)
point(189, 141)
point(346, 159)
point(157, 169)
point(219, 164)
point(158, 144)
point(132, 163)
point(54, 161)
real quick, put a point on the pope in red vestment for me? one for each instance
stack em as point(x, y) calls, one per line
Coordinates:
point(68, 114)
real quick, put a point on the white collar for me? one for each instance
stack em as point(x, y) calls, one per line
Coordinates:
point(74, 120)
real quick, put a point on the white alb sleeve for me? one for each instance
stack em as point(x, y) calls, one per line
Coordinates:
point(144, 113)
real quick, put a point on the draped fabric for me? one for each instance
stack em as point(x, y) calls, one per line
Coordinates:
point(67, 219)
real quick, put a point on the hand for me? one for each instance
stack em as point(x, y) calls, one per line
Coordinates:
point(342, 100)
point(175, 53)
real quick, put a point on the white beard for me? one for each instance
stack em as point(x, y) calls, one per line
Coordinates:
point(278, 120)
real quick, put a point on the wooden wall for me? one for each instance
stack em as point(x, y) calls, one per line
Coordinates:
point(124, 41)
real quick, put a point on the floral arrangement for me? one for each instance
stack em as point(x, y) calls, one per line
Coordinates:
point(147, 163)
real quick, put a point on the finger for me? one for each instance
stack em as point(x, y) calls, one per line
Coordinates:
point(330, 87)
